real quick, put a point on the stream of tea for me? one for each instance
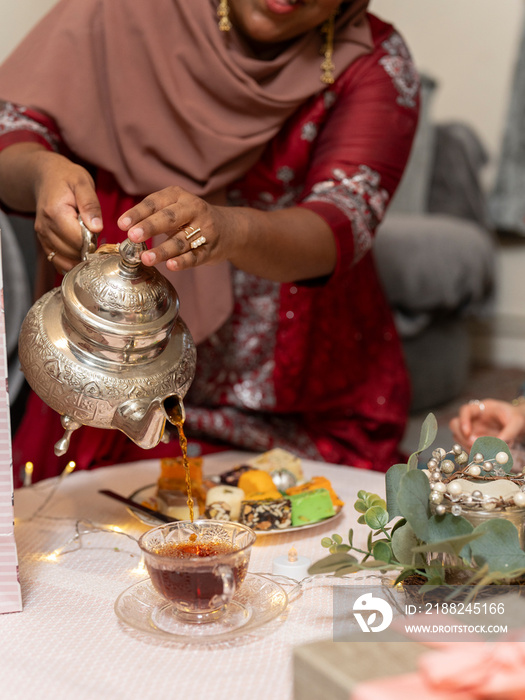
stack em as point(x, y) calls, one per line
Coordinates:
point(179, 424)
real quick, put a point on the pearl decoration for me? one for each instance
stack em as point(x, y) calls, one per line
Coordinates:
point(489, 505)
point(456, 510)
point(447, 466)
point(439, 453)
point(474, 471)
point(478, 457)
point(436, 497)
point(502, 458)
point(477, 494)
point(432, 463)
point(435, 476)
point(457, 449)
point(487, 466)
point(519, 499)
point(439, 487)
point(462, 458)
point(454, 488)
point(441, 509)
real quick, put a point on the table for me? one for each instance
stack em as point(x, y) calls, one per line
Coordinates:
point(68, 642)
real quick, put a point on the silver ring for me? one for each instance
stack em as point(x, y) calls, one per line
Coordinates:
point(198, 242)
point(190, 232)
point(478, 403)
point(51, 255)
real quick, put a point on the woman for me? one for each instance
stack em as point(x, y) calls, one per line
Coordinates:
point(153, 125)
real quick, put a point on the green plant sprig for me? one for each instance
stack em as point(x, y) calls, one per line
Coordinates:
point(408, 538)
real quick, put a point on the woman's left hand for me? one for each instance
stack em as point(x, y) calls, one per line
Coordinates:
point(197, 232)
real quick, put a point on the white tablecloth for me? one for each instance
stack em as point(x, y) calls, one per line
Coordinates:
point(68, 642)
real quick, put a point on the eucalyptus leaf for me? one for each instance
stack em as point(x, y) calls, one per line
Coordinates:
point(350, 569)
point(361, 506)
point(498, 546)
point(342, 547)
point(399, 523)
point(412, 501)
point(332, 562)
point(374, 500)
point(350, 536)
point(404, 575)
point(427, 436)
point(489, 446)
point(451, 545)
point(382, 552)
point(361, 520)
point(443, 527)
point(392, 481)
point(337, 539)
point(376, 517)
point(326, 542)
point(403, 542)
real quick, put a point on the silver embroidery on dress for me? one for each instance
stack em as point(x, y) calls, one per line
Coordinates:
point(236, 364)
point(400, 67)
point(329, 98)
point(309, 131)
point(361, 200)
point(13, 118)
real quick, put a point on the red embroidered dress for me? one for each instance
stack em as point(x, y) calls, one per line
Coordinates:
point(313, 367)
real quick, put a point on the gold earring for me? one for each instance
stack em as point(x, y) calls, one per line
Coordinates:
point(222, 13)
point(327, 66)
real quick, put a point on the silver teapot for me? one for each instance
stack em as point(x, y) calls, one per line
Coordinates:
point(108, 348)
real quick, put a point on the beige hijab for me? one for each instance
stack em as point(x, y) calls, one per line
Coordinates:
point(154, 93)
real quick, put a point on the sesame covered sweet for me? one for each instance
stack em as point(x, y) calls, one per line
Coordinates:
point(267, 515)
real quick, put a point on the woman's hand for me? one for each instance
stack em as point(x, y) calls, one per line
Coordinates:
point(57, 190)
point(283, 245)
point(197, 232)
point(64, 191)
point(488, 417)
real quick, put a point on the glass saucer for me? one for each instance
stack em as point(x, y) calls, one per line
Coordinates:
point(258, 601)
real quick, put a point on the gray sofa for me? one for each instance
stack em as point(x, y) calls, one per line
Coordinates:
point(435, 254)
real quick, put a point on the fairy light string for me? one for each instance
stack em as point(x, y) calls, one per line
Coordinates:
point(82, 527)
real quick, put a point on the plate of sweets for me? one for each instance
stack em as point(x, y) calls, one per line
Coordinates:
point(267, 493)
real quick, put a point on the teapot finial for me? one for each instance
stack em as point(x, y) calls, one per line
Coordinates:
point(130, 253)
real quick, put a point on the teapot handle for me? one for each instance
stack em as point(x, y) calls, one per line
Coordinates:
point(89, 240)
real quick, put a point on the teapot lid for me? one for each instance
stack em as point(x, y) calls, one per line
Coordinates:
point(118, 296)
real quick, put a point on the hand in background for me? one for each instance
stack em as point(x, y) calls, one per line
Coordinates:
point(488, 417)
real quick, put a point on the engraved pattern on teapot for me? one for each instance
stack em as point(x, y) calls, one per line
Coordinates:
point(115, 297)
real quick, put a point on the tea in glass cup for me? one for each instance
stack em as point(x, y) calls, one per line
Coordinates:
point(197, 567)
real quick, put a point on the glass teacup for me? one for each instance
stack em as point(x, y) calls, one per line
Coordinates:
point(197, 567)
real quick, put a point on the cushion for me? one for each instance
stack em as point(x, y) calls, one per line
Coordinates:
point(433, 261)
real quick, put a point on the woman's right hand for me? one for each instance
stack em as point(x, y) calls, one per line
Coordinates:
point(34, 179)
point(63, 191)
point(488, 417)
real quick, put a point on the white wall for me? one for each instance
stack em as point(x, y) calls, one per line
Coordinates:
point(470, 47)
point(17, 17)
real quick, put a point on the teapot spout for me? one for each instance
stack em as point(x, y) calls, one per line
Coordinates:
point(142, 421)
point(174, 409)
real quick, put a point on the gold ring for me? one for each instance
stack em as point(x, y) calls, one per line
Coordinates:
point(51, 255)
point(198, 242)
point(190, 232)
